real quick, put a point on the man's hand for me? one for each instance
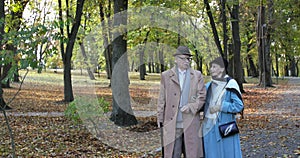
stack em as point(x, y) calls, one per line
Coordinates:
point(214, 109)
point(185, 109)
point(161, 125)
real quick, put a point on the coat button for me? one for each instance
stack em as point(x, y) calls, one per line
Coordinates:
point(174, 93)
point(171, 118)
point(173, 106)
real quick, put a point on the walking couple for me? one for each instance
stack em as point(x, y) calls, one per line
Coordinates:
point(183, 95)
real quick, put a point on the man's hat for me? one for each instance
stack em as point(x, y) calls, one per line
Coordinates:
point(183, 50)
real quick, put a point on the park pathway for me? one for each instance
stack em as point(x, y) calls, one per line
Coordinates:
point(279, 134)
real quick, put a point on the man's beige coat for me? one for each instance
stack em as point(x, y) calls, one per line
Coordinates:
point(168, 103)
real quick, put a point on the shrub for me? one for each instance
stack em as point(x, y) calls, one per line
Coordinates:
point(71, 113)
point(86, 109)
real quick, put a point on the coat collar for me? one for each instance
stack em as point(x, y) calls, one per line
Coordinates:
point(174, 77)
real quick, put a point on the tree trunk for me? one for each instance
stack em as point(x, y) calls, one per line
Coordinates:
point(67, 55)
point(252, 68)
point(3, 105)
point(16, 16)
point(160, 57)
point(151, 62)
point(198, 59)
point(238, 69)
point(261, 45)
point(264, 42)
point(106, 43)
point(277, 64)
point(89, 65)
point(68, 90)
point(2, 17)
point(149, 66)
point(269, 31)
point(293, 66)
point(132, 66)
point(198, 64)
point(162, 62)
point(142, 66)
point(122, 113)
point(179, 26)
point(286, 68)
point(16, 76)
point(85, 58)
point(142, 48)
point(297, 68)
point(230, 69)
point(4, 75)
point(3, 68)
point(214, 29)
point(224, 25)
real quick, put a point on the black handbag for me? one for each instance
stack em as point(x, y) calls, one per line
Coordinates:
point(228, 129)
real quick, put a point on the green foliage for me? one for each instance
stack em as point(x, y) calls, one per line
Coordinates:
point(72, 114)
point(54, 62)
point(23, 48)
point(86, 109)
point(104, 105)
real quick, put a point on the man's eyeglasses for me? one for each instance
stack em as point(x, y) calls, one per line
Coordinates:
point(185, 58)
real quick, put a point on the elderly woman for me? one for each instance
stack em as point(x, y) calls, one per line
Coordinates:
point(223, 102)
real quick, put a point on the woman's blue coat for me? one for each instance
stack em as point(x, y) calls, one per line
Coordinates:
point(215, 146)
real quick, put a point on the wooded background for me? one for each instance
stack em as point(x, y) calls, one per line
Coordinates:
point(259, 38)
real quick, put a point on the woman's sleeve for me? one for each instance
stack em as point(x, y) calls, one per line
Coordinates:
point(232, 105)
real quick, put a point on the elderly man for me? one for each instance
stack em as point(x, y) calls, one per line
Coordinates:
point(182, 95)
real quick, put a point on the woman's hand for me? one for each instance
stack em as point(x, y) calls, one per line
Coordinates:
point(214, 109)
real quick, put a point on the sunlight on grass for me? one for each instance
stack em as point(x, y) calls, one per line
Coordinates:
point(44, 77)
point(81, 78)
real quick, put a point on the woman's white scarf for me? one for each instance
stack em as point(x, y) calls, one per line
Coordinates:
point(218, 89)
point(217, 94)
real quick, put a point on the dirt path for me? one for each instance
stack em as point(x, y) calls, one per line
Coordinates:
point(276, 133)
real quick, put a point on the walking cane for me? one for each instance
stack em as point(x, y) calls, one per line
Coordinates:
point(162, 140)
